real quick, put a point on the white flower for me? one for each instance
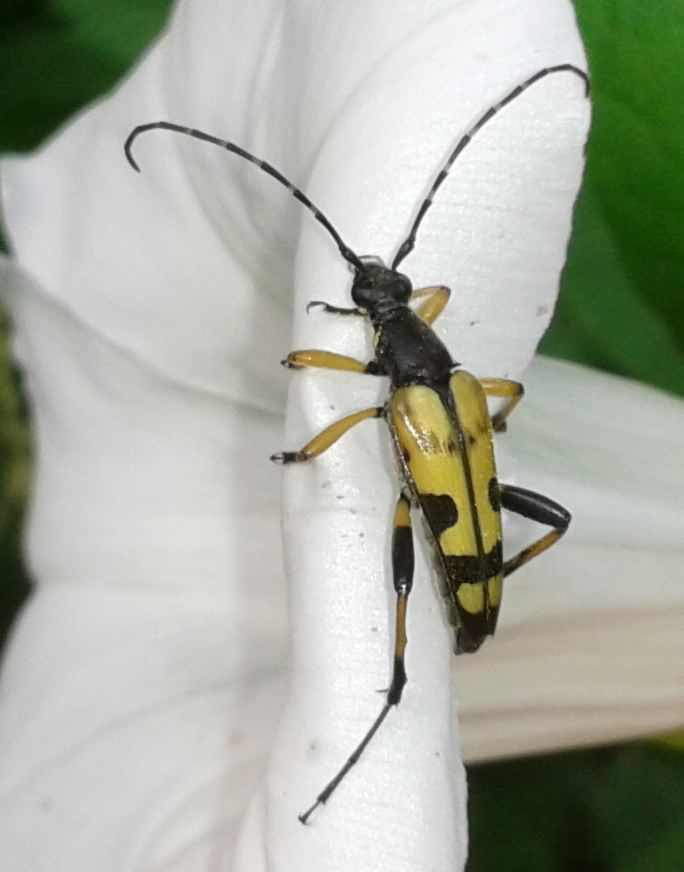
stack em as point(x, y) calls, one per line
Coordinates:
point(144, 685)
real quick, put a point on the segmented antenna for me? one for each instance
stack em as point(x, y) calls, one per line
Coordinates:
point(347, 253)
point(407, 245)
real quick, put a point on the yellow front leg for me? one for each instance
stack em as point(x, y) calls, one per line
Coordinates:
point(328, 360)
point(327, 437)
point(432, 308)
point(502, 387)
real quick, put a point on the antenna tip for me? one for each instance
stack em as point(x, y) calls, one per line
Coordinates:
point(303, 818)
point(582, 74)
point(127, 149)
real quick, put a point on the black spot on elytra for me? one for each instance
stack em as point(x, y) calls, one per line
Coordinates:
point(452, 448)
point(467, 567)
point(494, 494)
point(440, 510)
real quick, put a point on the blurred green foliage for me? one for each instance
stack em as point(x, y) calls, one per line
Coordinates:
point(609, 810)
point(615, 810)
point(14, 478)
point(620, 306)
point(55, 55)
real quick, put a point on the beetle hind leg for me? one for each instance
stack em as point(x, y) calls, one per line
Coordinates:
point(402, 564)
point(537, 508)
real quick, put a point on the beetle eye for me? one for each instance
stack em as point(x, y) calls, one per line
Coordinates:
point(404, 286)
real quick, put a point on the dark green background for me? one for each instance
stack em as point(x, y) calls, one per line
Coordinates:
point(612, 810)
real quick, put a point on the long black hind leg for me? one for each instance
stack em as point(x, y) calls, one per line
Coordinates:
point(537, 508)
point(402, 565)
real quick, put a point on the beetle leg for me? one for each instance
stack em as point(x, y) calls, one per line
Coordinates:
point(432, 308)
point(333, 310)
point(537, 508)
point(502, 387)
point(327, 437)
point(402, 563)
point(329, 360)
point(402, 567)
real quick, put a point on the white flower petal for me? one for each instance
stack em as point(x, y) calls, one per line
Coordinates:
point(129, 736)
point(142, 685)
point(589, 647)
point(340, 583)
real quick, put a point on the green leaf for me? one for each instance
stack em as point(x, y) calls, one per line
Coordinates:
point(56, 56)
point(611, 810)
point(638, 807)
point(621, 301)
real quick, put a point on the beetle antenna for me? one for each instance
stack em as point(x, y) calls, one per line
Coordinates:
point(346, 252)
point(407, 245)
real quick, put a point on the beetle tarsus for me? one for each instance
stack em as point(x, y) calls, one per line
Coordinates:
point(284, 457)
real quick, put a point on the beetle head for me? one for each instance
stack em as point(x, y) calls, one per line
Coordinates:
point(376, 285)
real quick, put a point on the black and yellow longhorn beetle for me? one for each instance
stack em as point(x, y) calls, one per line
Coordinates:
point(440, 427)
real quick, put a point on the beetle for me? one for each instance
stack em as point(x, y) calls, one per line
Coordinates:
point(440, 427)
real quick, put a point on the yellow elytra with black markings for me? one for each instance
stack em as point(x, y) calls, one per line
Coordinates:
point(440, 426)
point(446, 452)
